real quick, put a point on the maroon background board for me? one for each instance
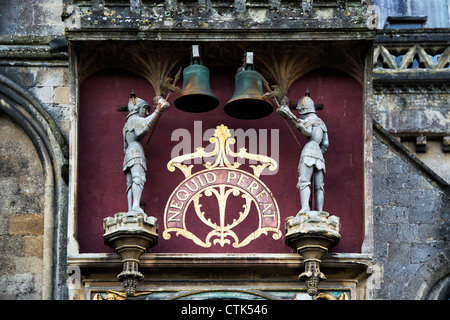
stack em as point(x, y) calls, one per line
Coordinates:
point(102, 186)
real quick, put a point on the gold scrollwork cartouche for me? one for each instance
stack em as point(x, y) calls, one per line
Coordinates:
point(222, 179)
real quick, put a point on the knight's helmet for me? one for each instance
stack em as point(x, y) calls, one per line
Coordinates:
point(138, 104)
point(306, 104)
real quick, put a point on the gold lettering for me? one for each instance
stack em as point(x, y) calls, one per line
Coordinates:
point(175, 205)
point(266, 206)
point(271, 213)
point(210, 173)
point(253, 185)
point(195, 184)
point(241, 179)
point(174, 217)
point(262, 194)
point(199, 178)
point(231, 176)
point(187, 195)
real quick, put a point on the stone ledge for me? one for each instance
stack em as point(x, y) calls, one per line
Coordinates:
point(225, 34)
point(202, 259)
point(337, 265)
point(396, 36)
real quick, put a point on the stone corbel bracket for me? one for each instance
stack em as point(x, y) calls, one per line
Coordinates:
point(130, 235)
point(312, 234)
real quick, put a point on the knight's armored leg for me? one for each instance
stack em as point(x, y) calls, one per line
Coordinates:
point(138, 176)
point(305, 194)
point(129, 193)
point(319, 190)
point(304, 182)
point(136, 189)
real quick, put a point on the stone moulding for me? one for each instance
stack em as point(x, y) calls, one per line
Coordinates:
point(31, 51)
point(136, 14)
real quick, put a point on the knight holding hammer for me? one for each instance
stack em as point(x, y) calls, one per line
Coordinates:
point(312, 162)
point(136, 127)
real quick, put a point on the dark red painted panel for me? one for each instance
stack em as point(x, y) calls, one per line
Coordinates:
point(101, 183)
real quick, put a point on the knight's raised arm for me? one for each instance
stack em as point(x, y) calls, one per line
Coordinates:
point(286, 113)
point(160, 104)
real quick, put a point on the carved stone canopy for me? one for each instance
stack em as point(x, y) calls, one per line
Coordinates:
point(280, 63)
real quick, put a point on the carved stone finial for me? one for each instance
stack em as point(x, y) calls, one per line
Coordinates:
point(130, 236)
point(312, 234)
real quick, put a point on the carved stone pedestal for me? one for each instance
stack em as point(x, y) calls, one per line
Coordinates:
point(312, 234)
point(130, 235)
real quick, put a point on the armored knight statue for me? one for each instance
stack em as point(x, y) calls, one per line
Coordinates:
point(137, 126)
point(312, 163)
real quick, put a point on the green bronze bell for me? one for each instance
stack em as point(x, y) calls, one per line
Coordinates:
point(196, 95)
point(247, 101)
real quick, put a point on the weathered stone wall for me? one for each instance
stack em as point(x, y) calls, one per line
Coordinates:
point(49, 85)
point(21, 214)
point(434, 157)
point(31, 17)
point(411, 222)
point(417, 112)
point(410, 115)
point(35, 75)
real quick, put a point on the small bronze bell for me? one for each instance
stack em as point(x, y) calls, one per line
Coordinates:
point(196, 95)
point(247, 101)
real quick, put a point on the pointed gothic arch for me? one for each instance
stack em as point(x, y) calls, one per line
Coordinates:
point(28, 113)
point(432, 280)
